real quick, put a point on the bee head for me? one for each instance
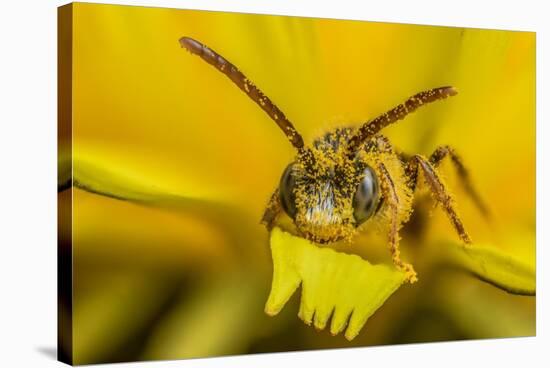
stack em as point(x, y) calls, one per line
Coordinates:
point(326, 193)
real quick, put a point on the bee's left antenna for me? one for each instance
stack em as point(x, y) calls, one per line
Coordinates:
point(231, 71)
point(371, 128)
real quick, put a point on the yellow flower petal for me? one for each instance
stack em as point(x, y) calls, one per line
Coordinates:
point(495, 267)
point(338, 284)
point(154, 225)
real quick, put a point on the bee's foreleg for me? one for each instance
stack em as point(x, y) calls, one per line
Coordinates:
point(272, 210)
point(392, 201)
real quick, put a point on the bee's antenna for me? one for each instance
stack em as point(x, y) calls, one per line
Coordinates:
point(231, 71)
point(372, 127)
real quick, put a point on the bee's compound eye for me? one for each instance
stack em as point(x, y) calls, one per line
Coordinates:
point(286, 191)
point(366, 197)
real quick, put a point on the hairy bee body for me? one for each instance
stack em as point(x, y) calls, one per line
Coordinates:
point(350, 175)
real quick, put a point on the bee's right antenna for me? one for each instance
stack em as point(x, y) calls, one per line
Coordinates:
point(231, 71)
point(372, 127)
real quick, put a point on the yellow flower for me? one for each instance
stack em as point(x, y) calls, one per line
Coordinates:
point(174, 167)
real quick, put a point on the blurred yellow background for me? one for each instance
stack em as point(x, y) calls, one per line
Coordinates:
point(164, 282)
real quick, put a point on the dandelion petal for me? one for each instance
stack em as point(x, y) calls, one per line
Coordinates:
point(333, 284)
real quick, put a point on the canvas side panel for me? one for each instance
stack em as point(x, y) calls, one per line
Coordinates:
point(64, 184)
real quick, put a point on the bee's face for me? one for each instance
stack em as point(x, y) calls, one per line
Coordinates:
point(330, 199)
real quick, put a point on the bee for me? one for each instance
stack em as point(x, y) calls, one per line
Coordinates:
point(352, 175)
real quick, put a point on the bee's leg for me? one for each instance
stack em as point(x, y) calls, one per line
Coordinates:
point(445, 151)
point(392, 200)
point(272, 210)
point(438, 190)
